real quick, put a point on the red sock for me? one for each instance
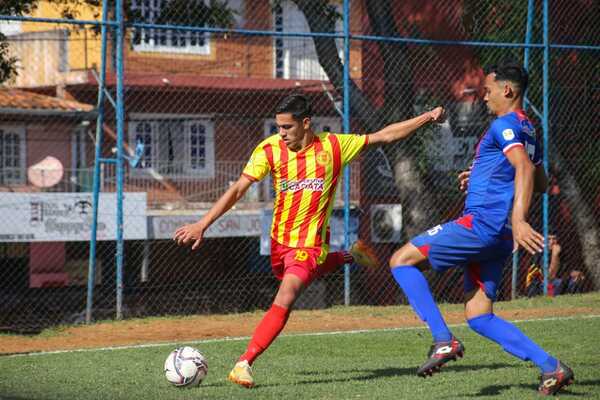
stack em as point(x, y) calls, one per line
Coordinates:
point(266, 331)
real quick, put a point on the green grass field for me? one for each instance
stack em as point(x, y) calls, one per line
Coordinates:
point(368, 365)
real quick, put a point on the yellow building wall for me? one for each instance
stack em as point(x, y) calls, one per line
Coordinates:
point(43, 62)
point(83, 42)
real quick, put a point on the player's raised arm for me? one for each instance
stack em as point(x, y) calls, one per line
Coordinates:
point(193, 233)
point(523, 234)
point(401, 130)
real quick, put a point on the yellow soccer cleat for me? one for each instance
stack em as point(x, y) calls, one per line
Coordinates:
point(242, 374)
point(364, 255)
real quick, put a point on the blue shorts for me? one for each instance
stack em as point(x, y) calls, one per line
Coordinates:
point(455, 244)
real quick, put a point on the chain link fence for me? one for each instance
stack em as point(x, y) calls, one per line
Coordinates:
point(201, 80)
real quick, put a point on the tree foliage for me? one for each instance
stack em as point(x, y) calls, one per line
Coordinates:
point(7, 62)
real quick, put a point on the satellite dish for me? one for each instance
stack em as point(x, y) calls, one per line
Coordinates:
point(46, 173)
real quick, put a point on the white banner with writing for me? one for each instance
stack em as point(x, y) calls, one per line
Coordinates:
point(231, 224)
point(64, 217)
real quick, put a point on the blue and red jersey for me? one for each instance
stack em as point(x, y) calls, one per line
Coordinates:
point(491, 189)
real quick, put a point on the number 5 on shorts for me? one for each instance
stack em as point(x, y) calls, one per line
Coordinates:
point(434, 230)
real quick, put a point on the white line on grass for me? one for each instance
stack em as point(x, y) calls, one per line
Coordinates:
point(233, 339)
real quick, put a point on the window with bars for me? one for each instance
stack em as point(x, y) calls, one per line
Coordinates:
point(143, 134)
point(198, 146)
point(175, 147)
point(165, 40)
point(12, 156)
point(63, 51)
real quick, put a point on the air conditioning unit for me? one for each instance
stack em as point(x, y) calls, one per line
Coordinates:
point(386, 223)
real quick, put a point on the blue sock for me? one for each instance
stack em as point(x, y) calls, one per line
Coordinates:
point(415, 287)
point(513, 341)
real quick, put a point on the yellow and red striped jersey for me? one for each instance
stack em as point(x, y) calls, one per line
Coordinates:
point(305, 183)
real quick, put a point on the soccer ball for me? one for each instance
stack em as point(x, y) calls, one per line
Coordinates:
point(185, 366)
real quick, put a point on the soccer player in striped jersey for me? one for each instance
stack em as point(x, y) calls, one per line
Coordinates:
point(305, 167)
point(505, 171)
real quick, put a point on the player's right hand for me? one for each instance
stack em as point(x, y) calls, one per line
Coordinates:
point(191, 233)
point(525, 236)
point(463, 180)
point(438, 114)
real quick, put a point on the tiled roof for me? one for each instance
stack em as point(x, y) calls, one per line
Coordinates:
point(193, 81)
point(24, 100)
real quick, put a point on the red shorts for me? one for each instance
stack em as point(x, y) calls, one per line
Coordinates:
point(302, 262)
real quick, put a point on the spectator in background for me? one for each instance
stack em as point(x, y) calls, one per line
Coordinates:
point(573, 283)
point(574, 280)
point(535, 280)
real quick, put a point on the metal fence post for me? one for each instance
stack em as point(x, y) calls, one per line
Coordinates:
point(97, 164)
point(346, 123)
point(546, 128)
point(120, 135)
point(527, 50)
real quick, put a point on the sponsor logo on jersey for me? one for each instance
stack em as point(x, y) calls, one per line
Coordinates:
point(312, 184)
point(508, 134)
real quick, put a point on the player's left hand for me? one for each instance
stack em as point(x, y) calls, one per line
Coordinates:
point(525, 236)
point(463, 180)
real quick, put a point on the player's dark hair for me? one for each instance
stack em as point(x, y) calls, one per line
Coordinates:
point(296, 104)
point(510, 70)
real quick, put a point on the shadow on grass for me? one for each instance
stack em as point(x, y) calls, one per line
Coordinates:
point(365, 375)
point(571, 390)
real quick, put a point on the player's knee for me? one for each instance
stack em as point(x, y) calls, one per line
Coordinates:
point(285, 299)
point(403, 257)
point(479, 323)
point(289, 290)
point(396, 259)
point(477, 303)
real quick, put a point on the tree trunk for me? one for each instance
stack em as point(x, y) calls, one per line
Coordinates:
point(587, 230)
point(398, 87)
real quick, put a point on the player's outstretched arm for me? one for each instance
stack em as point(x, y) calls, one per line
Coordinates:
point(193, 233)
point(401, 130)
point(524, 235)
